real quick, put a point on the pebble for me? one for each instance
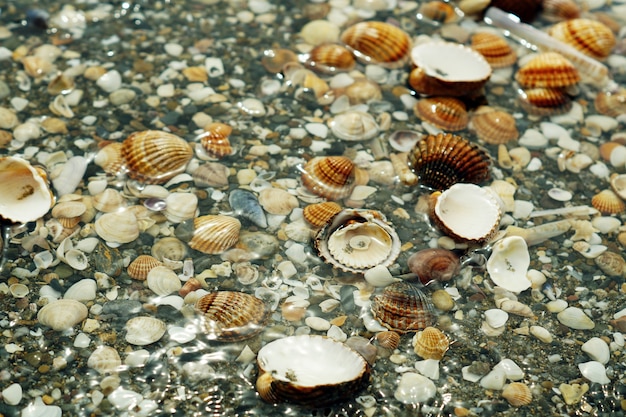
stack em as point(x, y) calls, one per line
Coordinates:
point(12, 394)
point(110, 81)
point(317, 323)
point(414, 388)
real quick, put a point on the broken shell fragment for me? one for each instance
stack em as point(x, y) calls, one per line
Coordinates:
point(508, 264)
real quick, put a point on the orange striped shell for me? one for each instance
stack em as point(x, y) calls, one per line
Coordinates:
point(215, 141)
point(378, 43)
point(494, 48)
point(447, 113)
point(590, 37)
point(608, 202)
point(494, 126)
point(544, 101)
point(559, 10)
point(214, 234)
point(331, 177)
point(320, 213)
point(548, 69)
point(403, 307)
point(141, 265)
point(431, 343)
point(329, 58)
point(438, 12)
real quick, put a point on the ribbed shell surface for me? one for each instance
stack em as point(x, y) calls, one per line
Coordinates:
point(214, 234)
point(329, 58)
point(494, 126)
point(331, 177)
point(403, 307)
point(378, 43)
point(447, 113)
point(548, 69)
point(494, 48)
point(590, 37)
point(543, 101)
point(319, 214)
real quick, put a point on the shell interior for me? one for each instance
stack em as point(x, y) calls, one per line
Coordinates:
point(451, 62)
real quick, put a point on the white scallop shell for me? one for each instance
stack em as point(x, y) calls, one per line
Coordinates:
point(354, 125)
point(163, 281)
point(144, 330)
point(508, 264)
point(117, 227)
point(62, 314)
point(104, 359)
point(180, 206)
point(451, 62)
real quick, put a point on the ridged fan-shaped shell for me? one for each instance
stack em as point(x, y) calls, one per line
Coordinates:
point(329, 58)
point(230, 316)
point(110, 158)
point(518, 394)
point(608, 202)
point(104, 359)
point(543, 101)
point(138, 269)
point(434, 264)
point(591, 37)
point(494, 126)
point(214, 234)
point(611, 104)
point(331, 177)
point(559, 10)
point(378, 43)
point(402, 307)
point(446, 113)
point(431, 343)
point(215, 140)
point(548, 69)
point(437, 12)
point(494, 48)
point(319, 214)
point(108, 201)
point(62, 314)
point(446, 159)
point(154, 157)
point(388, 340)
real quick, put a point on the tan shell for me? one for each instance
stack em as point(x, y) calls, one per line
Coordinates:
point(105, 359)
point(363, 90)
point(388, 340)
point(330, 58)
point(608, 202)
point(277, 201)
point(110, 159)
point(108, 201)
point(494, 48)
point(215, 140)
point(163, 281)
point(170, 251)
point(117, 227)
point(548, 69)
point(141, 265)
point(274, 60)
point(612, 104)
point(437, 12)
point(517, 394)
point(434, 264)
point(62, 314)
point(431, 343)
point(211, 174)
point(354, 125)
point(69, 212)
point(559, 10)
point(402, 307)
point(494, 126)
point(542, 101)
point(611, 263)
point(446, 113)
point(153, 157)
point(180, 206)
point(380, 43)
point(331, 177)
point(229, 316)
point(319, 214)
point(144, 330)
point(214, 234)
point(591, 37)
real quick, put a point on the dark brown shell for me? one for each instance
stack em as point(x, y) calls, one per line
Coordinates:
point(331, 177)
point(446, 113)
point(544, 101)
point(424, 84)
point(446, 159)
point(434, 264)
point(494, 48)
point(378, 43)
point(402, 307)
point(548, 69)
point(230, 316)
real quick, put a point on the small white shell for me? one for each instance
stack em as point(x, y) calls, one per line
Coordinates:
point(104, 359)
point(144, 330)
point(62, 314)
point(541, 333)
point(594, 371)
point(83, 290)
point(597, 349)
point(163, 281)
point(496, 317)
point(180, 206)
point(354, 126)
point(575, 318)
point(508, 264)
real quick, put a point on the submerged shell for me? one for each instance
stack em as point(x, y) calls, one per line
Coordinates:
point(358, 240)
point(608, 202)
point(591, 37)
point(494, 126)
point(144, 330)
point(62, 314)
point(518, 394)
point(611, 103)
point(434, 264)
point(170, 251)
point(319, 214)
point(494, 48)
point(548, 69)
point(446, 113)
point(138, 269)
point(214, 234)
point(543, 101)
point(154, 157)
point(163, 281)
point(229, 316)
point(215, 140)
point(105, 359)
point(354, 125)
point(286, 374)
point(331, 177)
point(403, 307)
point(245, 204)
point(388, 340)
point(431, 343)
point(378, 43)
point(445, 159)
point(110, 158)
point(330, 58)
point(508, 264)
point(437, 12)
point(117, 227)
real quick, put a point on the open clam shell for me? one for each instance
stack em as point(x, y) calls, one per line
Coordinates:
point(403, 307)
point(358, 240)
point(310, 370)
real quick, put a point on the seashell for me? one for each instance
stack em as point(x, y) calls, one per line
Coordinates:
point(558, 10)
point(215, 141)
point(214, 234)
point(611, 103)
point(466, 213)
point(525, 10)
point(594, 371)
point(307, 80)
point(597, 349)
point(543, 101)
point(76, 259)
point(493, 126)
point(319, 214)
point(245, 204)
point(402, 307)
point(18, 290)
point(388, 340)
point(591, 37)
point(618, 184)
point(446, 113)
point(141, 265)
point(611, 263)
point(163, 281)
point(379, 43)
point(517, 394)
point(404, 140)
point(144, 330)
point(286, 374)
point(105, 360)
point(25, 195)
point(494, 48)
point(275, 59)
point(414, 388)
point(154, 157)
point(434, 264)
point(329, 58)
point(508, 264)
point(575, 318)
point(362, 91)
point(170, 251)
point(62, 314)
point(36, 66)
point(331, 177)
point(430, 86)
point(211, 174)
point(110, 159)
point(230, 316)
point(608, 202)
point(277, 201)
point(438, 12)
point(354, 125)
point(357, 240)
point(180, 206)
point(431, 343)
point(547, 69)
point(442, 160)
point(69, 212)
point(117, 227)
point(108, 201)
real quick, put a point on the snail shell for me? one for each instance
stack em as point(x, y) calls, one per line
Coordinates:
point(434, 264)
point(402, 307)
point(612, 104)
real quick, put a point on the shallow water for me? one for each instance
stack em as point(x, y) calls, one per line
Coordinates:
point(186, 372)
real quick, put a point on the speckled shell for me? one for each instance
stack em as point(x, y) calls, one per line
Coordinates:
point(446, 113)
point(402, 307)
point(379, 43)
point(437, 12)
point(548, 69)
point(388, 340)
point(517, 394)
point(215, 140)
point(230, 316)
point(214, 234)
point(494, 48)
point(154, 157)
point(329, 58)
point(62, 314)
point(331, 177)
point(590, 37)
point(319, 214)
point(141, 265)
point(611, 263)
point(612, 104)
point(608, 202)
point(543, 101)
point(445, 159)
point(434, 264)
point(431, 343)
point(110, 159)
point(494, 126)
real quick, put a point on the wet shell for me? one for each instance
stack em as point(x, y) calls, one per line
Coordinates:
point(611, 263)
point(357, 240)
point(608, 202)
point(274, 60)
point(402, 307)
point(434, 264)
point(354, 126)
point(117, 227)
point(286, 374)
point(548, 69)
point(68, 212)
point(170, 251)
point(618, 184)
point(331, 177)
point(591, 37)
point(24, 192)
point(211, 174)
point(163, 281)
point(430, 86)
point(388, 340)
point(144, 330)
point(319, 214)
point(154, 157)
point(104, 359)
point(525, 10)
point(558, 10)
point(62, 314)
point(215, 140)
point(437, 12)
point(108, 201)
point(446, 113)
point(494, 126)
point(431, 343)
point(380, 43)
point(517, 394)
point(329, 58)
point(544, 101)
point(612, 104)
point(214, 234)
point(110, 159)
point(230, 316)
point(363, 90)
point(494, 48)
point(141, 265)
point(277, 201)
point(445, 159)
point(180, 206)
